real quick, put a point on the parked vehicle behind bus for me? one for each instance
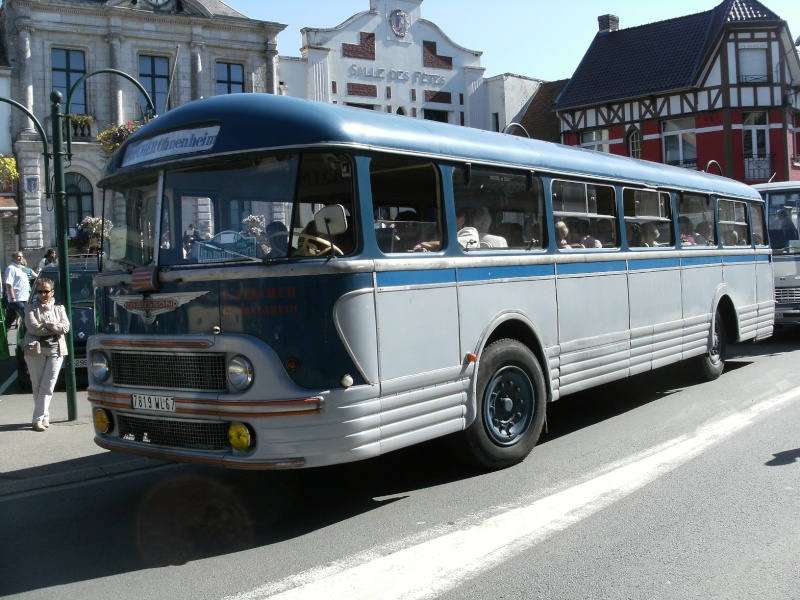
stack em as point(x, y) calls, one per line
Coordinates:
point(354, 283)
point(783, 214)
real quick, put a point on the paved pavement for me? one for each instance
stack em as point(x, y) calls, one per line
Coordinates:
point(65, 453)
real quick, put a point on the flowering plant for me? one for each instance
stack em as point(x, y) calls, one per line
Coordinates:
point(255, 226)
point(112, 136)
point(8, 171)
point(90, 228)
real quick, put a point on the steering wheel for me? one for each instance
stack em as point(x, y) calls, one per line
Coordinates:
point(308, 246)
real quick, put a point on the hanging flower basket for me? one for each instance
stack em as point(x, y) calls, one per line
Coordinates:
point(8, 171)
point(88, 234)
point(112, 136)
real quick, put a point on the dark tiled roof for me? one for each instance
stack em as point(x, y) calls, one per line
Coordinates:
point(654, 58)
point(539, 120)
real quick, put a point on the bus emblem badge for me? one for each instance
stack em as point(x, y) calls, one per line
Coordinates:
point(155, 304)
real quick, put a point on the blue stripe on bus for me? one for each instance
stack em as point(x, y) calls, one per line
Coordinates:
point(737, 259)
point(693, 261)
point(511, 272)
point(422, 277)
point(763, 258)
point(588, 268)
point(653, 263)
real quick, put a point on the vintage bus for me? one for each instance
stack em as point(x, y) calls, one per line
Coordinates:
point(783, 216)
point(353, 283)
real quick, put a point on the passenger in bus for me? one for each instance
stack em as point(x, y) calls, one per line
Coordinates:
point(786, 226)
point(467, 237)
point(562, 232)
point(730, 238)
point(606, 234)
point(687, 231)
point(278, 239)
point(634, 234)
point(481, 220)
point(703, 234)
point(650, 235)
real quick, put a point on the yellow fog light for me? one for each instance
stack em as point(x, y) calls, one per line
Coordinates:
point(102, 421)
point(239, 437)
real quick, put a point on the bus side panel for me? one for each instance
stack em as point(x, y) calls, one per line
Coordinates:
point(656, 314)
point(700, 282)
point(765, 296)
point(417, 329)
point(739, 273)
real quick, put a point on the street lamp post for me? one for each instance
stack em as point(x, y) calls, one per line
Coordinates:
point(58, 192)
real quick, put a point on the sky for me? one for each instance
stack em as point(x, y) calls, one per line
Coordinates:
point(543, 39)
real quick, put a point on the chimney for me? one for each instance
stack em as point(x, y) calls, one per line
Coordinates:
point(608, 22)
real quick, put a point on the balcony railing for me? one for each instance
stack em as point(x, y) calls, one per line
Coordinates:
point(758, 168)
point(685, 164)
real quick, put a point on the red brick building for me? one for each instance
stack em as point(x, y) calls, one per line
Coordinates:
point(716, 91)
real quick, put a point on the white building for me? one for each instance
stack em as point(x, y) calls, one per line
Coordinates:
point(388, 58)
point(391, 59)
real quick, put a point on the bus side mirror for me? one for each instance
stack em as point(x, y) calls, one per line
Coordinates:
point(331, 220)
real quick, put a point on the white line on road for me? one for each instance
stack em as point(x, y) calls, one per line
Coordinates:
point(429, 568)
point(11, 379)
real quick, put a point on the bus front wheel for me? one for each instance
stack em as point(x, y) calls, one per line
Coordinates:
point(511, 401)
point(712, 363)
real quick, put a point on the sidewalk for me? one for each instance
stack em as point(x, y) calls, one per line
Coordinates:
point(65, 453)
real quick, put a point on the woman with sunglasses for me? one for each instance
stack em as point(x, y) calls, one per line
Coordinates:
point(45, 348)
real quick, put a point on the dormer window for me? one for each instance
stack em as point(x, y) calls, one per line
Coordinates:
point(753, 62)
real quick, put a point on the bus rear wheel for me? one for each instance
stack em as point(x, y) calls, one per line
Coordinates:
point(712, 363)
point(511, 401)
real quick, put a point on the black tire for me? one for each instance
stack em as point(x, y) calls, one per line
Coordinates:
point(712, 363)
point(511, 402)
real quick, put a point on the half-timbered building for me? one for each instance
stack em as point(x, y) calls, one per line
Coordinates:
point(717, 90)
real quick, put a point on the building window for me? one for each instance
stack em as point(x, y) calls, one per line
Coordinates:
point(755, 138)
point(595, 140)
point(68, 67)
point(154, 76)
point(230, 78)
point(496, 121)
point(753, 62)
point(435, 115)
point(79, 198)
point(680, 143)
point(635, 144)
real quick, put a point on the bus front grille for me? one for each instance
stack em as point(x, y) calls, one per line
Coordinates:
point(787, 294)
point(200, 372)
point(211, 436)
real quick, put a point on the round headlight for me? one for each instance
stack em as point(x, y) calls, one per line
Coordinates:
point(240, 373)
point(102, 421)
point(101, 367)
point(239, 437)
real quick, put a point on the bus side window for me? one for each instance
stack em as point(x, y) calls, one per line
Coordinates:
point(648, 218)
point(497, 209)
point(406, 204)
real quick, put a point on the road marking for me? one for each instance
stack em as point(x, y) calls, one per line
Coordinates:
point(427, 569)
point(12, 378)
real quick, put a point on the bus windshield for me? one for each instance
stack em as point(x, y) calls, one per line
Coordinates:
point(784, 212)
point(254, 209)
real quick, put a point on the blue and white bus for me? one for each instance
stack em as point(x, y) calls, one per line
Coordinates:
point(353, 283)
point(783, 216)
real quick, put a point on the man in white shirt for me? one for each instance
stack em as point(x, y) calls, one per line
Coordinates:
point(18, 288)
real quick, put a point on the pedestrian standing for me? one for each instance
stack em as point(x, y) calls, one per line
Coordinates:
point(18, 288)
point(49, 259)
point(45, 349)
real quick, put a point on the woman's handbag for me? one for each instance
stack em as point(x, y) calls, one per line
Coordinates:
point(32, 348)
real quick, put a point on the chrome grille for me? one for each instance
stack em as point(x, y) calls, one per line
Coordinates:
point(201, 372)
point(175, 434)
point(787, 294)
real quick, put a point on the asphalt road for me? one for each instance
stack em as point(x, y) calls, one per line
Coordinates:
point(653, 487)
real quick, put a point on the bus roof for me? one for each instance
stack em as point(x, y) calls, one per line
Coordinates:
point(265, 122)
point(777, 185)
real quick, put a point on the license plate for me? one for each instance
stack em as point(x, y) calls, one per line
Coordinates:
point(80, 363)
point(148, 402)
